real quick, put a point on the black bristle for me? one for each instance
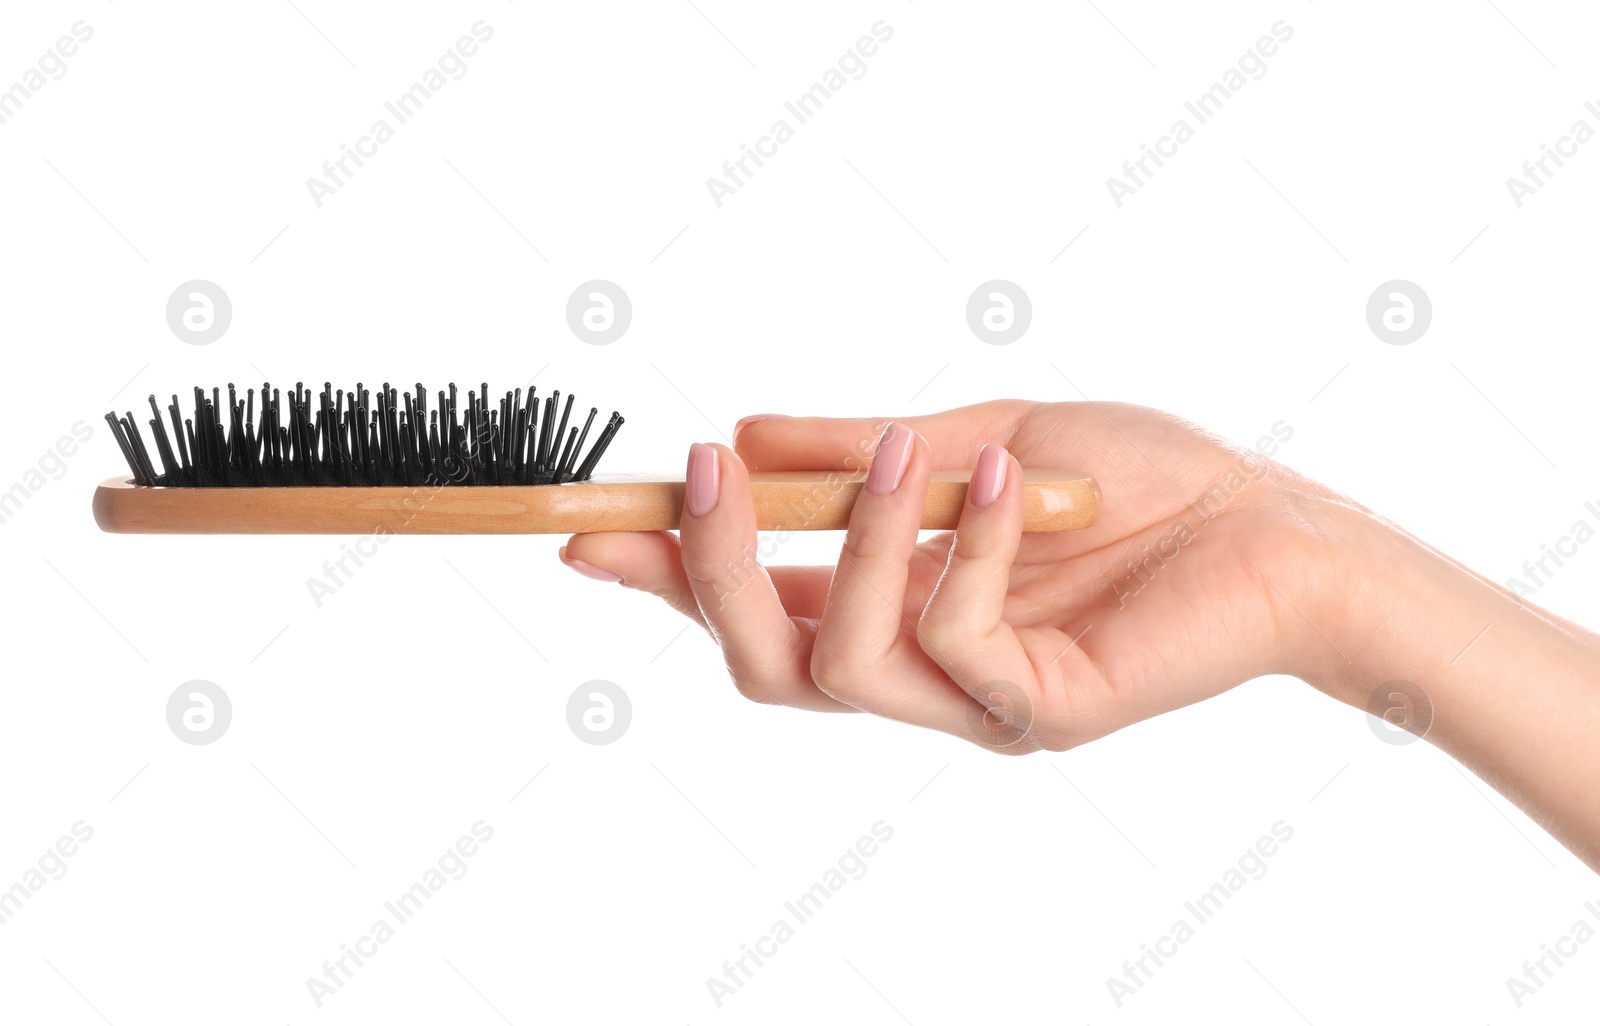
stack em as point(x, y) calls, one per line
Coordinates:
point(127, 450)
point(177, 432)
point(252, 464)
point(492, 467)
point(131, 429)
point(227, 471)
point(566, 457)
point(530, 443)
point(561, 429)
point(564, 472)
point(169, 462)
point(194, 447)
point(342, 437)
point(610, 431)
point(542, 443)
point(405, 459)
point(432, 461)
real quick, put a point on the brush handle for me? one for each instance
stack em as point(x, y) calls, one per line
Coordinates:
point(813, 500)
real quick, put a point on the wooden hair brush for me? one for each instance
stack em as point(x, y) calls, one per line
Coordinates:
point(342, 464)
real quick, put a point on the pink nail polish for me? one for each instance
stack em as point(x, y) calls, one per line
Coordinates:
point(700, 480)
point(890, 461)
point(989, 477)
point(589, 569)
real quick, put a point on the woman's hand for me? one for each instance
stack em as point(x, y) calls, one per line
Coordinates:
point(1199, 575)
point(1210, 565)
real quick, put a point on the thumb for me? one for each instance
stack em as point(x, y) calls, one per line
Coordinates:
point(643, 560)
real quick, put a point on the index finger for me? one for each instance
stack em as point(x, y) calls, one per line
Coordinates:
point(847, 443)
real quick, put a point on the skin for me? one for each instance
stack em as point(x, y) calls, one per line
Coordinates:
point(1210, 565)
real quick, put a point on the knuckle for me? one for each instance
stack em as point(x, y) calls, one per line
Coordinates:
point(973, 550)
point(1056, 741)
point(755, 689)
point(867, 539)
point(937, 630)
point(1002, 718)
point(1026, 746)
point(753, 683)
point(832, 673)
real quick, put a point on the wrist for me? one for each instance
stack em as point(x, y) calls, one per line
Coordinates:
point(1384, 605)
point(1509, 689)
point(1387, 607)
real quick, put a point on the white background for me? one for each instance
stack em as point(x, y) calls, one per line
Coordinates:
point(370, 733)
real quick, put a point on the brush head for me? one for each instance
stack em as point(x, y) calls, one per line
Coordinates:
point(346, 439)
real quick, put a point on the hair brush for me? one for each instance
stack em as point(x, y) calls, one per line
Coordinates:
point(340, 463)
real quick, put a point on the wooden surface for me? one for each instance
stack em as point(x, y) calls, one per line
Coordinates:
point(1054, 500)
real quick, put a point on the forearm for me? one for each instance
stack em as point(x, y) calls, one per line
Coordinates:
point(1515, 691)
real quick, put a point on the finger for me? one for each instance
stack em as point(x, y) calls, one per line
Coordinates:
point(829, 443)
point(863, 653)
point(963, 628)
point(646, 560)
point(766, 652)
point(652, 561)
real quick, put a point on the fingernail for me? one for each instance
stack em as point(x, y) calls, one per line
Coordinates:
point(989, 476)
point(755, 417)
point(700, 480)
point(890, 460)
point(589, 569)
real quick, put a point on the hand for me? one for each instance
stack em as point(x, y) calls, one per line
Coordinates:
point(1191, 582)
